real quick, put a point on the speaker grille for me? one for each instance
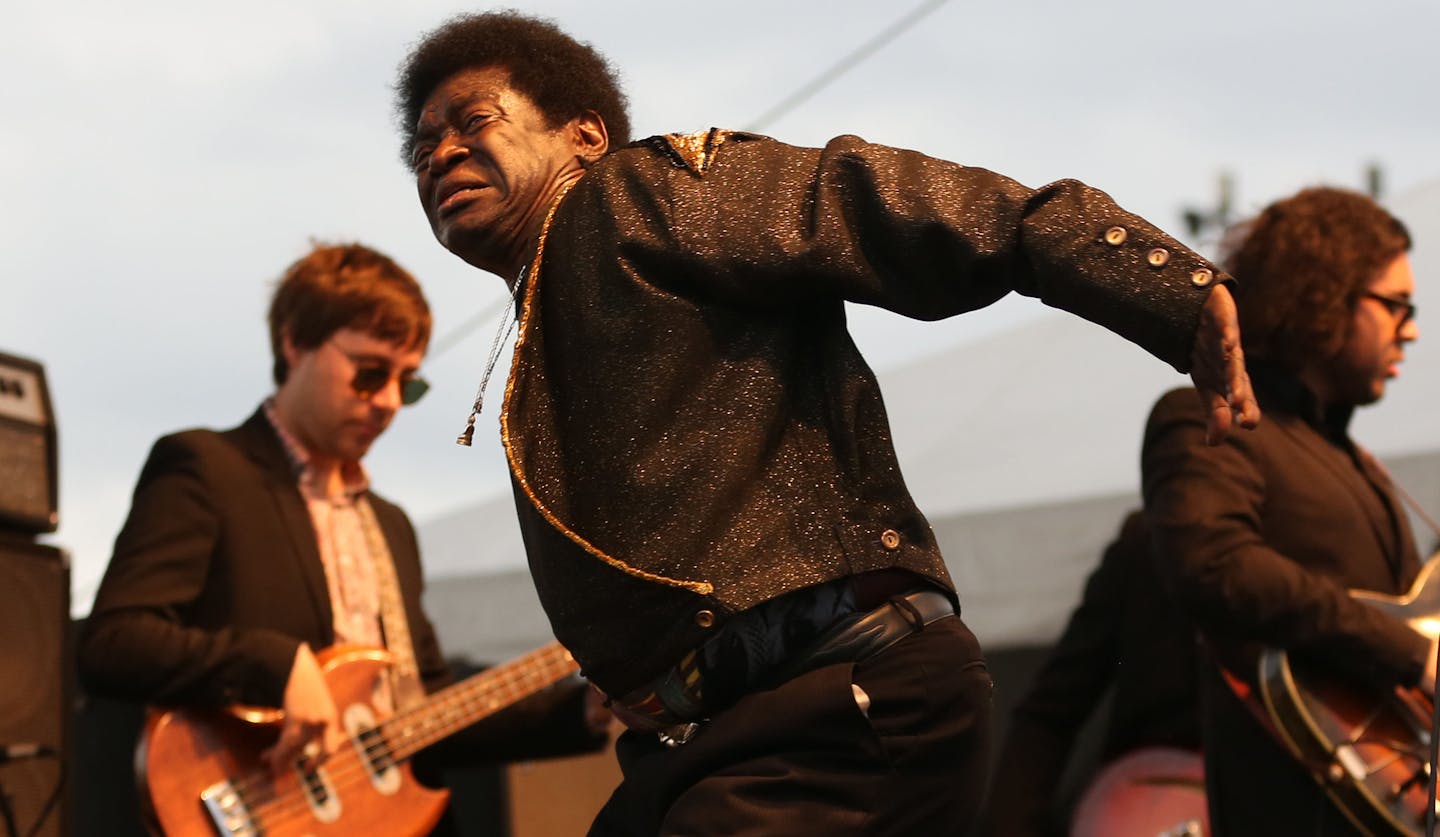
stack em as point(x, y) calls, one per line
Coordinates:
point(34, 677)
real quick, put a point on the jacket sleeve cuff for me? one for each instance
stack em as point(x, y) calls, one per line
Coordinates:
point(1114, 268)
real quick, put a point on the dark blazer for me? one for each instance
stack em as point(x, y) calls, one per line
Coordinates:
point(217, 578)
point(1261, 537)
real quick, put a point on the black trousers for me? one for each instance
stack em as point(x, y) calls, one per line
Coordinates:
point(803, 759)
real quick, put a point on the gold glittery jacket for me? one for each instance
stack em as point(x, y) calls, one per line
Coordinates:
point(691, 430)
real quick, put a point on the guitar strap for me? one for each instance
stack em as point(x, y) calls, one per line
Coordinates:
point(1404, 495)
point(405, 686)
point(1249, 697)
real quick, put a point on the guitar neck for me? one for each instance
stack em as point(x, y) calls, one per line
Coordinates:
point(458, 706)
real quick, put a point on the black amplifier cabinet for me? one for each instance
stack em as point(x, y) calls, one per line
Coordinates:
point(36, 683)
point(28, 490)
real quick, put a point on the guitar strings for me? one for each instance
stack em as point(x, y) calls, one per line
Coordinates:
point(501, 679)
point(444, 703)
point(497, 681)
point(516, 678)
point(269, 808)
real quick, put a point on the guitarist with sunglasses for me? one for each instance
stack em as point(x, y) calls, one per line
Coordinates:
point(1265, 536)
point(248, 551)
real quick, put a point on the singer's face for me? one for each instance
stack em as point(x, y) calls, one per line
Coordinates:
point(486, 162)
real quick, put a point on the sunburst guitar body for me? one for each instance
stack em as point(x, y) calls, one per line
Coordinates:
point(201, 773)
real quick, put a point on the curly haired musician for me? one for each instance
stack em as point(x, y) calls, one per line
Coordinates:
point(246, 551)
point(1263, 535)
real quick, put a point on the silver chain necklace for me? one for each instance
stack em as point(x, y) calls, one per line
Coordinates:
point(502, 335)
point(509, 318)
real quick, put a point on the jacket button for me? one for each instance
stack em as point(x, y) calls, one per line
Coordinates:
point(1115, 236)
point(1158, 257)
point(705, 619)
point(890, 539)
point(1202, 277)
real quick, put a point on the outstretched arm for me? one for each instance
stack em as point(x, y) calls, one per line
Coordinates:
point(770, 225)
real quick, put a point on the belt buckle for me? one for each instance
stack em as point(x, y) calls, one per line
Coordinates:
point(678, 735)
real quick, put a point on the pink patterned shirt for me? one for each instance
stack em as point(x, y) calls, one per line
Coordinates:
point(340, 536)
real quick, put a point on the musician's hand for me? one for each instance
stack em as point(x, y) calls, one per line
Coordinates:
point(312, 724)
point(1217, 367)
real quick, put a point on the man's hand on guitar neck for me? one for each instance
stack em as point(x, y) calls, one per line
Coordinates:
point(311, 720)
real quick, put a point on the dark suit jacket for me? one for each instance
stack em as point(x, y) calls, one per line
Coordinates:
point(1261, 537)
point(217, 578)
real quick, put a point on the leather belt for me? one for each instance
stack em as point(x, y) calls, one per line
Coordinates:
point(866, 634)
point(670, 707)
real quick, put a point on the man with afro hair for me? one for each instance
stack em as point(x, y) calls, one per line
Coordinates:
point(711, 506)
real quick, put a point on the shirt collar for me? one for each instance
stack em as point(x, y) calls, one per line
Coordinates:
point(353, 477)
point(1283, 390)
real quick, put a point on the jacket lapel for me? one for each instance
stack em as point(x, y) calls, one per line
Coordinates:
point(264, 447)
point(1358, 483)
point(1407, 561)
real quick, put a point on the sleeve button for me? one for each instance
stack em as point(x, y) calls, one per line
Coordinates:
point(1202, 277)
point(890, 539)
point(705, 618)
point(1158, 257)
point(1115, 236)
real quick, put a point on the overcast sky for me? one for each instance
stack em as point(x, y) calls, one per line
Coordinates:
point(161, 163)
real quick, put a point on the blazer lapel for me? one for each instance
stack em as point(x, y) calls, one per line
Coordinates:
point(264, 447)
point(1408, 558)
point(1358, 484)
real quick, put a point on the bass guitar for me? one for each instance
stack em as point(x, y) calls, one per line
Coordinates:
point(201, 774)
point(1369, 749)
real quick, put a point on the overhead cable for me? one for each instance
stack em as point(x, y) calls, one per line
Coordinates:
point(789, 103)
point(845, 64)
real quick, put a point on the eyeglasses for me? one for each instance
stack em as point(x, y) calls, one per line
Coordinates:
point(1404, 309)
point(371, 376)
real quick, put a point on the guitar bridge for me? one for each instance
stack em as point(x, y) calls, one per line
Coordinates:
point(228, 811)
